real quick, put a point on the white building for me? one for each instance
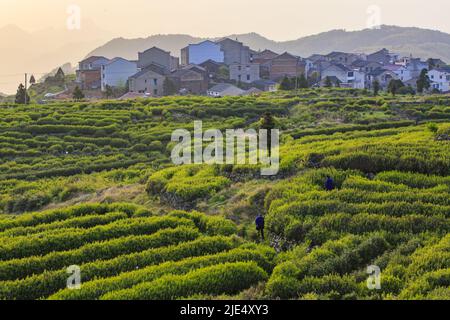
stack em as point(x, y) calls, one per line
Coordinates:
point(201, 52)
point(440, 79)
point(349, 78)
point(224, 90)
point(116, 72)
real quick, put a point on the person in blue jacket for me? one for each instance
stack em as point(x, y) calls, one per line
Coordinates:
point(329, 184)
point(260, 225)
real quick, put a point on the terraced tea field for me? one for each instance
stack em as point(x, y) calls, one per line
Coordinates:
point(92, 185)
point(125, 252)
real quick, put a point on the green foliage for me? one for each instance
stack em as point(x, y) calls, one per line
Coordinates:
point(394, 86)
point(169, 87)
point(390, 206)
point(78, 94)
point(22, 96)
point(229, 278)
point(424, 82)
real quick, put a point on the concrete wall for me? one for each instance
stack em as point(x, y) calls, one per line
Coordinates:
point(246, 73)
point(234, 52)
point(154, 55)
point(148, 83)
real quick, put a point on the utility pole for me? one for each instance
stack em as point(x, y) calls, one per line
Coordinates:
point(26, 84)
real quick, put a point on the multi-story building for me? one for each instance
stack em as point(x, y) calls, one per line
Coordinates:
point(246, 73)
point(234, 51)
point(116, 72)
point(286, 64)
point(440, 79)
point(201, 52)
point(347, 77)
point(190, 80)
point(157, 56)
point(89, 72)
point(149, 81)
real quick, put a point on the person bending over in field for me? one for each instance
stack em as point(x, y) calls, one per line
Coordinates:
point(329, 184)
point(260, 225)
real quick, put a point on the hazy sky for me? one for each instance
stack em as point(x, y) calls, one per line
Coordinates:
point(275, 19)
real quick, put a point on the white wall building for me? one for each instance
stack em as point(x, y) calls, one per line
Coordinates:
point(347, 77)
point(440, 79)
point(116, 72)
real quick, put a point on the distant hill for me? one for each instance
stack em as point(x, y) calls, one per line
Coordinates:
point(40, 51)
point(404, 40)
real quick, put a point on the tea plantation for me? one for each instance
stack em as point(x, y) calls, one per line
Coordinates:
point(92, 185)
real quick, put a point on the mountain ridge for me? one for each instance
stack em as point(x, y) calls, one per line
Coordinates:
point(419, 42)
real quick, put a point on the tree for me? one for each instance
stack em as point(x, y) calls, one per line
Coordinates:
point(224, 72)
point(424, 82)
point(406, 90)
point(78, 94)
point(286, 84)
point(328, 83)
point(303, 82)
point(394, 86)
point(32, 80)
point(268, 123)
point(338, 83)
point(59, 76)
point(108, 92)
point(22, 96)
point(169, 87)
point(314, 78)
point(376, 87)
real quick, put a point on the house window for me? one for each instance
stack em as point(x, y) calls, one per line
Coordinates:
point(248, 77)
point(448, 78)
point(155, 82)
point(351, 74)
point(432, 76)
point(155, 92)
point(239, 68)
point(145, 81)
point(239, 77)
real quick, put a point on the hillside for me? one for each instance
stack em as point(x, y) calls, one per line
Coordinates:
point(92, 184)
point(419, 42)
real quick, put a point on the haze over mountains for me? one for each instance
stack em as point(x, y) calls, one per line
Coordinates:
point(42, 51)
point(419, 42)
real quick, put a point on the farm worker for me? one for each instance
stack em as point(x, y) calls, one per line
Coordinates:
point(260, 225)
point(329, 184)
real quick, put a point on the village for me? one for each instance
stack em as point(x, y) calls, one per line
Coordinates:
point(230, 68)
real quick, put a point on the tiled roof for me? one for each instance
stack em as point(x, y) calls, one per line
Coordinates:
point(153, 67)
point(156, 48)
point(222, 87)
point(92, 59)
